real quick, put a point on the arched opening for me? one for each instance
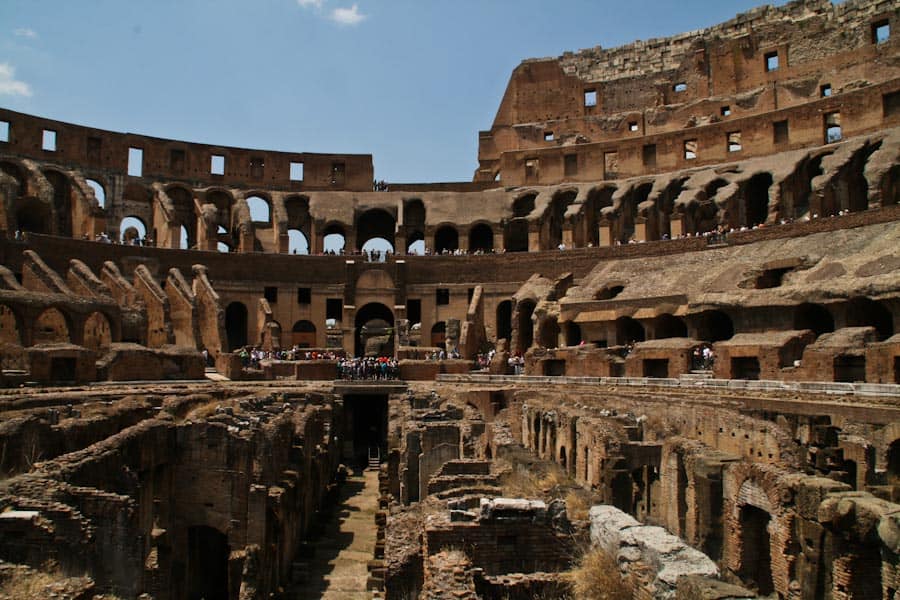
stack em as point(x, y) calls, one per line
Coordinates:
point(97, 332)
point(99, 191)
point(374, 330)
point(556, 218)
point(334, 239)
point(549, 333)
point(814, 317)
point(629, 331)
point(573, 333)
point(297, 242)
point(714, 326)
point(62, 202)
point(446, 239)
point(416, 244)
point(303, 334)
point(622, 488)
point(597, 200)
point(756, 551)
point(51, 327)
point(515, 235)
point(260, 211)
point(481, 238)
point(373, 224)
point(525, 327)
point(207, 568)
point(9, 326)
point(563, 461)
point(627, 211)
point(504, 320)
point(893, 463)
point(864, 312)
point(378, 249)
point(413, 215)
point(33, 215)
point(185, 215)
point(669, 326)
point(184, 238)
point(236, 325)
point(523, 205)
point(439, 334)
point(132, 230)
point(756, 199)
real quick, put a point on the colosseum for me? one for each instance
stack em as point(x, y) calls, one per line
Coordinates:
point(649, 351)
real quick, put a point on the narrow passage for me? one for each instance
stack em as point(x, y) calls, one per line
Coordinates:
point(337, 569)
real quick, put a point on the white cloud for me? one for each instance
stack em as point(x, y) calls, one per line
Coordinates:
point(317, 4)
point(347, 16)
point(9, 85)
point(26, 32)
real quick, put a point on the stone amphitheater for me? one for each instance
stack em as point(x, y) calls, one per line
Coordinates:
point(658, 329)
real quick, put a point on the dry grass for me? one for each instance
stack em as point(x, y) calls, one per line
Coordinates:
point(596, 576)
point(577, 506)
point(30, 584)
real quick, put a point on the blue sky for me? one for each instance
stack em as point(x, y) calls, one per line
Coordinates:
point(409, 81)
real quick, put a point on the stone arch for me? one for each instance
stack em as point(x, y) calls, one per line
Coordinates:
point(515, 235)
point(524, 325)
point(598, 199)
point(375, 223)
point(660, 214)
point(236, 325)
point(865, 312)
point(52, 326)
point(185, 213)
point(548, 332)
point(298, 243)
point(99, 191)
point(755, 547)
point(260, 206)
point(893, 463)
point(524, 205)
point(713, 326)
point(414, 214)
point(303, 334)
point(334, 238)
point(669, 326)
point(132, 228)
point(33, 216)
point(555, 219)
point(629, 330)
point(814, 317)
point(573, 333)
point(10, 331)
point(627, 210)
point(439, 334)
point(374, 330)
point(756, 199)
point(481, 237)
point(97, 332)
point(415, 243)
point(446, 237)
point(62, 202)
point(504, 320)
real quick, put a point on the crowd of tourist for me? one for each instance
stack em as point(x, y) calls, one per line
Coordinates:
point(368, 368)
point(703, 358)
point(251, 355)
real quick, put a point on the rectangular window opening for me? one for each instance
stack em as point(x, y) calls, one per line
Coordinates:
point(296, 171)
point(890, 104)
point(48, 140)
point(442, 296)
point(881, 31)
point(4, 131)
point(135, 162)
point(590, 98)
point(334, 308)
point(270, 293)
point(833, 127)
point(548, 136)
point(825, 90)
point(304, 295)
point(771, 61)
point(690, 149)
point(217, 164)
point(570, 164)
point(725, 111)
point(734, 141)
point(632, 126)
point(780, 132)
point(414, 310)
point(649, 155)
point(610, 165)
point(679, 87)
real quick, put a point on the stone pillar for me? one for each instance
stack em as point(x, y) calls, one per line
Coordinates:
point(676, 226)
point(604, 229)
point(498, 240)
point(534, 240)
point(451, 336)
point(640, 229)
point(349, 329)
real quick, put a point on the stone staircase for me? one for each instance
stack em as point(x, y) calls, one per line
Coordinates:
point(696, 375)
